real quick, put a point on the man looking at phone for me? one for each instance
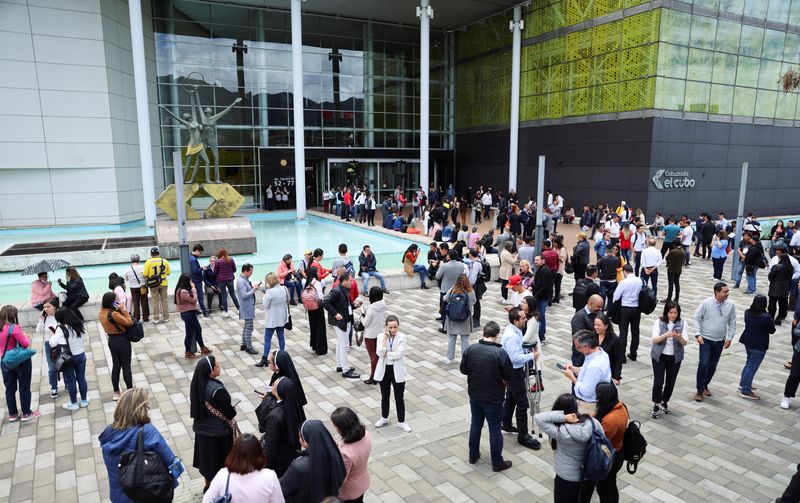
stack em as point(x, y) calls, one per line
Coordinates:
point(596, 369)
point(246, 292)
point(516, 396)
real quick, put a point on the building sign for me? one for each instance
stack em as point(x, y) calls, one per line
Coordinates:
point(666, 179)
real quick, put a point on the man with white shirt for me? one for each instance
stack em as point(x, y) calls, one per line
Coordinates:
point(794, 244)
point(596, 369)
point(651, 258)
point(518, 292)
point(613, 228)
point(686, 237)
point(638, 243)
point(627, 292)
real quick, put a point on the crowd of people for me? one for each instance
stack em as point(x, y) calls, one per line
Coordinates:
point(297, 459)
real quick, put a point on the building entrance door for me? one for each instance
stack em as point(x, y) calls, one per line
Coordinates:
point(380, 176)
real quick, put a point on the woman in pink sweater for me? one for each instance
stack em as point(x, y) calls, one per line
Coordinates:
point(186, 302)
point(355, 449)
point(18, 378)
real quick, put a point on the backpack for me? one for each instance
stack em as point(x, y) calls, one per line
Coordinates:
point(134, 333)
point(154, 281)
point(486, 271)
point(633, 446)
point(579, 294)
point(309, 298)
point(143, 475)
point(762, 262)
point(457, 307)
point(599, 455)
point(647, 300)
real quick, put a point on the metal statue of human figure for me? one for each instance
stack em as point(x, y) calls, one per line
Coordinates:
point(201, 134)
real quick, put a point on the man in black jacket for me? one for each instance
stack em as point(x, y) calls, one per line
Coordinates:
point(340, 315)
point(580, 256)
point(584, 320)
point(585, 288)
point(488, 369)
point(542, 291)
point(607, 272)
point(753, 251)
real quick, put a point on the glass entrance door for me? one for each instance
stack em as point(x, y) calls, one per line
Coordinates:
point(380, 176)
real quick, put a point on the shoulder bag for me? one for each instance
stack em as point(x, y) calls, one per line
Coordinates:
point(226, 496)
point(143, 288)
point(13, 358)
point(288, 325)
point(230, 422)
point(143, 476)
point(134, 333)
point(61, 354)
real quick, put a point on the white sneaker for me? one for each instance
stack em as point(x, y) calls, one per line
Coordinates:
point(404, 426)
point(786, 402)
point(380, 423)
point(226, 314)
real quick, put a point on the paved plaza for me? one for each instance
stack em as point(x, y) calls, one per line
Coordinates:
point(724, 449)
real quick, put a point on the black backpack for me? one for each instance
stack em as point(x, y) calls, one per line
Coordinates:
point(599, 455)
point(647, 300)
point(486, 271)
point(134, 333)
point(457, 307)
point(634, 446)
point(579, 294)
point(143, 475)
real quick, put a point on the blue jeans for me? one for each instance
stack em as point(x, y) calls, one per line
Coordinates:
point(226, 287)
point(542, 305)
point(76, 372)
point(607, 292)
point(493, 414)
point(737, 274)
point(754, 358)
point(295, 289)
point(193, 330)
point(710, 351)
point(198, 285)
point(422, 271)
point(268, 339)
point(52, 373)
point(751, 280)
point(365, 278)
point(18, 378)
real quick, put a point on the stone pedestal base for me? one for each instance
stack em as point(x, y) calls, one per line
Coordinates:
point(233, 234)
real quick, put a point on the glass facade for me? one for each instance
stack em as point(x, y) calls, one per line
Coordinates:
point(724, 59)
point(360, 83)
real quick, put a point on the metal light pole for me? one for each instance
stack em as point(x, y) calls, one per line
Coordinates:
point(739, 222)
point(183, 242)
point(539, 207)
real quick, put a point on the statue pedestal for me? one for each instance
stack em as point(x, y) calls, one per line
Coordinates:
point(226, 200)
point(234, 234)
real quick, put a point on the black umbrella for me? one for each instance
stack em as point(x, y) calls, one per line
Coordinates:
point(45, 266)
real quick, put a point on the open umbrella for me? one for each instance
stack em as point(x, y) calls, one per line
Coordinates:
point(45, 266)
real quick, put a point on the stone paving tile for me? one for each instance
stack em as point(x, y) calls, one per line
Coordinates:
point(725, 448)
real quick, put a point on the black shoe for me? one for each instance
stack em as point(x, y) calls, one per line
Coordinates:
point(339, 369)
point(509, 428)
point(251, 350)
point(778, 322)
point(438, 319)
point(242, 347)
point(529, 442)
point(632, 357)
point(293, 303)
point(656, 412)
point(499, 468)
point(476, 324)
point(423, 287)
point(474, 460)
point(370, 381)
point(442, 331)
point(351, 374)
point(263, 363)
point(665, 407)
point(385, 291)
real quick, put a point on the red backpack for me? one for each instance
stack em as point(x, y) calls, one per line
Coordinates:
point(309, 298)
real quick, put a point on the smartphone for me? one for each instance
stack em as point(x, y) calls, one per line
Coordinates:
point(560, 367)
point(235, 402)
point(259, 393)
point(52, 329)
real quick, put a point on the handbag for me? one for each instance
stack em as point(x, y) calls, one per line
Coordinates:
point(288, 325)
point(615, 311)
point(142, 289)
point(235, 431)
point(569, 267)
point(134, 333)
point(143, 476)
point(13, 358)
point(61, 354)
point(226, 496)
point(358, 328)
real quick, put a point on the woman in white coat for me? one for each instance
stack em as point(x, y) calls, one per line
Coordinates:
point(391, 372)
point(276, 310)
point(371, 318)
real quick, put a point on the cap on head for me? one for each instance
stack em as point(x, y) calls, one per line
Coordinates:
point(154, 251)
point(514, 280)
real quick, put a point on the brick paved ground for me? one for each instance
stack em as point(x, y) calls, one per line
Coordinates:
point(724, 449)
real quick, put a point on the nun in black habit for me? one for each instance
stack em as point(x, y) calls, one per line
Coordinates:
point(280, 416)
point(282, 366)
point(319, 470)
point(214, 426)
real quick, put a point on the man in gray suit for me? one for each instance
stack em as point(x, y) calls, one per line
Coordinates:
point(447, 275)
point(583, 319)
point(246, 293)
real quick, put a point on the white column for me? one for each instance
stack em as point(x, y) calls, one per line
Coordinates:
point(513, 148)
point(297, 103)
point(369, 86)
point(425, 13)
point(142, 112)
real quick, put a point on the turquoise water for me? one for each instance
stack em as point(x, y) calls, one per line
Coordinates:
point(276, 234)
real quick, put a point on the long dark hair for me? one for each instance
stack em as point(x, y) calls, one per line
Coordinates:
point(759, 305)
point(411, 249)
point(65, 316)
point(567, 404)
point(607, 399)
point(311, 274)
point(115, 280)
point(351, 429)
point(184, 283)
point(669, 306)
point(605, 320)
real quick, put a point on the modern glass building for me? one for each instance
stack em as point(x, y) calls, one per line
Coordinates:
point(622, 95)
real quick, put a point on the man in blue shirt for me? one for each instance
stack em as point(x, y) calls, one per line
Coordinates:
point(596, 369)
point(197, 276)
point(516, 396)
point(671, 231)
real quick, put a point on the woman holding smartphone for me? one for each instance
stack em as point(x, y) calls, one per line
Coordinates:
point(114, 320)
point(47, 326)
point(669, 338)
point(186, 301)
point(391, 372)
